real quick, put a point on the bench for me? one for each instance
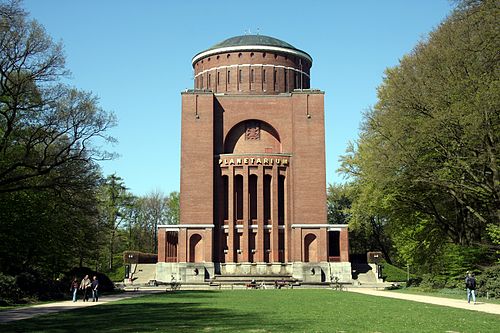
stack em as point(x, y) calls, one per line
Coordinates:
point(251, 285)
point(278, 284)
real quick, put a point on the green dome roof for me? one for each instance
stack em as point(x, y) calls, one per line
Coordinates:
point(252, 40)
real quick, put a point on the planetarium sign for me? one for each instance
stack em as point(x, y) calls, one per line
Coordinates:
point(270, 160)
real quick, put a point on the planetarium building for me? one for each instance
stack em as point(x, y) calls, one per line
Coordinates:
point(253, 187)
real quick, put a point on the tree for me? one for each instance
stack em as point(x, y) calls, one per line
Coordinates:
point(48, 131)
point(49, 137)
point(150, 211)
point(338, 202)
point(116, 207)
point(426, 161)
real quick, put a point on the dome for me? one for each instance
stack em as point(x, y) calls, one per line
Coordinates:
point(246, 40)
point(252, 43)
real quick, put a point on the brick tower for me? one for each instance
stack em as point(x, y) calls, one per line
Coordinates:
point(253, 189)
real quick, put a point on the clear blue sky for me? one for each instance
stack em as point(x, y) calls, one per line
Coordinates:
point(136, 56)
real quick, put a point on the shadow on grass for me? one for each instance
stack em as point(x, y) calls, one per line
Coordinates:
point(179, 313)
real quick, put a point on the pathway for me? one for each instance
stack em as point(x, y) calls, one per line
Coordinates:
point(455, 303)
point(40, 309)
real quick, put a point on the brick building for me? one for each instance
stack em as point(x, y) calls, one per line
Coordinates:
point(253, 188)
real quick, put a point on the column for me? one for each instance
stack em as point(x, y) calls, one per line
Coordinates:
point(344, 245)
point(244, 240)
point(274, 216)
point(259, 241)
point(230, 217)
point(183, 248)
point(162, 242)
point(207, 243)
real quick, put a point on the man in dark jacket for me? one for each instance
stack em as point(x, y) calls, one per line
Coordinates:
point(470, 284)
point(95, 286)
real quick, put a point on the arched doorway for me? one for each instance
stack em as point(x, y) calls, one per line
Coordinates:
point(310, 248)
point(196, 248)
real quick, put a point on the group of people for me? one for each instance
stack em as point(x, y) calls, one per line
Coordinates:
point(87, 287)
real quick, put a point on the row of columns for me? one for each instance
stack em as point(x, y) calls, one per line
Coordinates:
point(259, 255)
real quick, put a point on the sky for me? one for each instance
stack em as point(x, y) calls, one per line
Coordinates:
point(136, 57)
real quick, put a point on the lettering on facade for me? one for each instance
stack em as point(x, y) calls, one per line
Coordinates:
point(253, 161)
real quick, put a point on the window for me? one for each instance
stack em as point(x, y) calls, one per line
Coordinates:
point(263, 76)
point(209, 79)
point(286, 79)
point(228, 77)
point(251, 76)
point(218, 78)
point(241, 76)
point(275, 74)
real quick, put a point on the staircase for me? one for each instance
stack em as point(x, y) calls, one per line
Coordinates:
point(239, 281)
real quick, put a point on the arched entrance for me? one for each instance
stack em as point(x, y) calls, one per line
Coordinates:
point(310, 248)
point(196, 248)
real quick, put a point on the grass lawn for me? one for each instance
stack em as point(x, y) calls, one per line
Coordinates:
point(261, 311)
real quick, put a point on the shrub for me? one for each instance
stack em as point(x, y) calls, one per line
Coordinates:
point(136, 257)
point(9, 291)
point(489, 282)
point(105, 284)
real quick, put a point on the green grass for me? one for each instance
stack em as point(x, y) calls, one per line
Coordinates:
point(261, 311)
point(392, 273)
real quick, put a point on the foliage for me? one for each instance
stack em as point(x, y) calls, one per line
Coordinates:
point(50, 139)
point(338, 200)
point(105, 282)
point(49, 132)
point(136, 257)
point(425, 167)
point(9, 292)
point(489, 282)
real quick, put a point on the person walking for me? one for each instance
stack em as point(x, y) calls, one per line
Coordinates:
point(74, 288)
point(85, 286)
point(470, 284)
point(95, 286)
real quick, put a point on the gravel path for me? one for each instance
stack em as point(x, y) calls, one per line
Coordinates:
point(36, 310)
point(455, 303)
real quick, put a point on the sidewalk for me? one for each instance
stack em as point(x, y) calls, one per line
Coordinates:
point(36, 310)
point(455, 303)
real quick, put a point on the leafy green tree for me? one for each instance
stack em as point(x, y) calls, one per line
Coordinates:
point(49, 141)
point(116, 207)
point(338, 203)
point(426, 162)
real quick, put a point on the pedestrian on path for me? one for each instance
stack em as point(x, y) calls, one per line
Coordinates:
point(74, 288)
point(85, 287)
point(470, 284)
point(95, 286)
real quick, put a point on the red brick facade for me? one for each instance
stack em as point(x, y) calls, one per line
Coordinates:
point(253, 186)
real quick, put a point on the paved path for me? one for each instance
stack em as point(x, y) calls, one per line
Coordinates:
point(455, 303)
point(36, 310)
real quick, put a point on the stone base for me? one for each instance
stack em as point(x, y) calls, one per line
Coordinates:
point(303, 271)
point(189, 272)
point(322, 271)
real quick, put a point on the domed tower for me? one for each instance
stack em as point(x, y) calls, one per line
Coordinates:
point(252, 64)
point(253, 187)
